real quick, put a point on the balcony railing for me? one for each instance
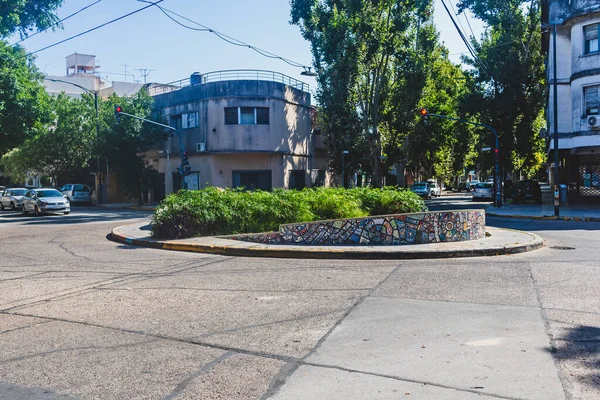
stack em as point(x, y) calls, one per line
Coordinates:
point(229, 75)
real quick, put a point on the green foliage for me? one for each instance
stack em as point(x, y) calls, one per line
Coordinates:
point(25, 16)
point(213, 211)
point(507, 89)
point(23, 101)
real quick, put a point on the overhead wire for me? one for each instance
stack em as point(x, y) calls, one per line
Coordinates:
point(96, 27)
point(227, 38)
point(57, 22)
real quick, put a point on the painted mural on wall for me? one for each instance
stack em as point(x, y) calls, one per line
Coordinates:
point(401, 229)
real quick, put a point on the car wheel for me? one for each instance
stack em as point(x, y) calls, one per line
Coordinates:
point(13, 206)
point(66, 212)
point(1, 206)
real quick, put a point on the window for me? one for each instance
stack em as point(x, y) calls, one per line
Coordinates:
point(590, 34)
point(252, 180)
point(592, 101)
point(185, 121)
point(246, 115)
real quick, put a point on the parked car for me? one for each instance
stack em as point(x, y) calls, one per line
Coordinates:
point(472, 185)
point(44, 200)
point(422, 189)
point(12, 198)
point(463, 187)
point(527, 190)
point(77, 193)
point(483, 190)
point(436, 190)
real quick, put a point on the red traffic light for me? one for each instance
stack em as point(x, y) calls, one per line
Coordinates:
point(118, 109)
point(496, 151)
point(423, 112)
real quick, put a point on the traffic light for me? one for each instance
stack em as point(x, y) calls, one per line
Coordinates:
point(185, 164)
point(118, 111)
point(423, 112)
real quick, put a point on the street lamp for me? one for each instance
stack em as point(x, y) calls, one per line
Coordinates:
point(343, 168)
point(95, 93)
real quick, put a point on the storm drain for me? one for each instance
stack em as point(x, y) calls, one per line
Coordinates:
point(562, 248)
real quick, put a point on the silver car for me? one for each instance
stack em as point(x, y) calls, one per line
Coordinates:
point(77, 193)
point(38, 201)
point(12, 198)
point(483, 190)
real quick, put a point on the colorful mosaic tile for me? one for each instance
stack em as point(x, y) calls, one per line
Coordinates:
point(419, 228)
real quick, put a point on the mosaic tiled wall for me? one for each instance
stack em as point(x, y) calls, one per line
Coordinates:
point(419, 228)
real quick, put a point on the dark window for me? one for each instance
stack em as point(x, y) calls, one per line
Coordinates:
point(231, 115)
point(590, 34)
point(297, 179)
point(247, 116)
point(592, 100)
point(262, 115)
point(252, 179)
point(176, 121)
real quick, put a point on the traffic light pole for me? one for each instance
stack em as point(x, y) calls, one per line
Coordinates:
point(181, 173)
point(497, 177)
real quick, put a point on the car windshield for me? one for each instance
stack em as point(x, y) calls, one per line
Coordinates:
point(483, 186)
point(81, 188)
point(48, 193)
point(18, 192)
point(419, 186)
point(433, 185)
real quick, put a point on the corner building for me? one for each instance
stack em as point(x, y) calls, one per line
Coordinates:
point(578, 101)
point(240, 128)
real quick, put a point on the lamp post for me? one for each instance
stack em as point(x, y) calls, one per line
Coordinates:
point(344, 168)
point(555, 104)
point(95, 94)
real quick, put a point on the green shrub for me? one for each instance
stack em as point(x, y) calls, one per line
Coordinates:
point(213, 211)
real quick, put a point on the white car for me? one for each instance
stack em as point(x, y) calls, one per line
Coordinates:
point(436, 190)
point(40, 201)
point(12, 198)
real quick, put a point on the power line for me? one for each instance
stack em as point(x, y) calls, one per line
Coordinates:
point(58, 22)
point(95, 28)
point(226, 38)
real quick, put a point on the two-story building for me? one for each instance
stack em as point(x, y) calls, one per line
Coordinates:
point(239, 128)
point(578, 100)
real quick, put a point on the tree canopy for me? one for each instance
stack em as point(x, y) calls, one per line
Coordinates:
point(25, 16)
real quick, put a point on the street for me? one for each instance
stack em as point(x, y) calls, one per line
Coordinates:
point(84, 317)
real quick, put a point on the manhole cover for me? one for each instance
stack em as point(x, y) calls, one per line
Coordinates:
point(562, 248)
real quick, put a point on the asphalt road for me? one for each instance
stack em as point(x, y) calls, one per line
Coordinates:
point(84, 317)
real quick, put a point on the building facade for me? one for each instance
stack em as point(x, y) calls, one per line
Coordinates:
point(578, 93)
point(240, 128)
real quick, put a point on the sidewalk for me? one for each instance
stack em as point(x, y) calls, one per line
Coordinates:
point(129, 206)
point(498, 242)
point(545, 211)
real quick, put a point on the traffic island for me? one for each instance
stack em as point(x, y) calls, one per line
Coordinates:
point(431, 242)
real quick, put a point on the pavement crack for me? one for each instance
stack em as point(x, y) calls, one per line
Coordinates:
point(180, 388)
point(25, 327)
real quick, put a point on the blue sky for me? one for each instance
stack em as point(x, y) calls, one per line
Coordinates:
point(150, 40)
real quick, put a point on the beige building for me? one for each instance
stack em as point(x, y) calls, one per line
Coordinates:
point(239, 128)
point(578, 100)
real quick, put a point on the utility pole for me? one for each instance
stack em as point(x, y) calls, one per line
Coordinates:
point(145, 72)
point(555, 104)
point(125, 65)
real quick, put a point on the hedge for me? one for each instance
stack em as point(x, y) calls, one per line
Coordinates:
point(214, 211)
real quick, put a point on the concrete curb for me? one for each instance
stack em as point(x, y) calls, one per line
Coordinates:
point(544, 217)
point(246, 249)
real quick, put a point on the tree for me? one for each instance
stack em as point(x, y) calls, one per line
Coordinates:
point(354, 44)
point(23, 101)
point(508, 78)
point(123, 145)
point(24, 16)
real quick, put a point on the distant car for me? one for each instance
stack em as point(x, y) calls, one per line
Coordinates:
point(490, 180)
point(483, 190)
point(527, 190)
point(77, 193)
point(463, 187)
point(12, 198)
point(422, 189)
point(472, 185)
point(40, 201)
point(436, 190)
